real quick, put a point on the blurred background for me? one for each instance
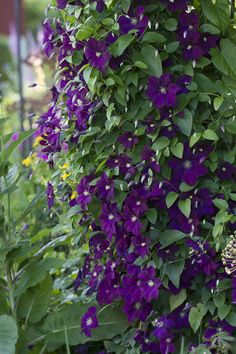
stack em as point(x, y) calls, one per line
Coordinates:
point(25, 73)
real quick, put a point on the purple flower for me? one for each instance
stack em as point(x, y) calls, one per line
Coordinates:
point(61, 4)
point(132, 223)
point(167, 345)
point(138, 310)
point(50, 195)
point(105, 187)
point(136, 202)
point(151, 125)
point(162, 91)
point(184, 81)
point(123, 162)
point(208, 41)
point(89, 321)
point(148, 155)
point(100, 5)
point(97, 54)
point(216, 327)
point(139, 22)
point(175, 5)
point(188, 27)
point(190, 167)
point(226, 171)
point(162, 325)
point(48, 36)
point(109, 218)
point(141, 246)
point(85, 191)
point(192, 51)
point(149, 284)
point(147, 345)
point(128, 140)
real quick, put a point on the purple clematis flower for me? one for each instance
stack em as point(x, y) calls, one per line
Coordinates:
point(148, 346)
point(162, 91)
point(100, 5)
point(89, 321)
point(175, 5)
point(190, 167)
point(208, 41)
point(132, 222)
point(50, 195)
point(85, 191)
point(162, 325)
point(109, 218)
point(167, 346)
point(138, 310)
point(48, 36)
point(193, 51)
point(61, 4)
point(105, 187)
point(215, 327)
point(148, 155)
point(97, 54)
point(226, 171)
point(128, 140)
point(123, 162)
point(139, 22)
point(149, 284)
point(184, 81)
point(188, 27)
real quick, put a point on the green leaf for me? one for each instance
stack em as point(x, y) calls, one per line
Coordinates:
point(139, 64)
point(223, 311)
point(225, 59)
point(161, 143)
point(171, 24)
point(111, 320)
point(172, 47)
point(218, 102)
point(152, 59)
point(177, 300)
point(8, 335)
point(125, 5)
point(153, 37)
point(210, 135)
point(231, 318)
point(33, 304)
point(178, 150)
point(34, 273)
point(174, 271)
point(185, 123)
point(185, 207)
point(217, 12)
point(194, 139)
point(109, 82)
point(195, 316)
point(169, 237)
point(171, 198)
point(14, 144)
point(152, 215)
point(121, 44)
point(220, 203)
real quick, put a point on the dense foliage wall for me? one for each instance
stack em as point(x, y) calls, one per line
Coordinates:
point(140, 133)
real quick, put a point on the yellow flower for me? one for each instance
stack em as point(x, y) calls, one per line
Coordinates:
point(65, 175)
point(37, 140)
point(65, 166)
point(28, 160)
point(74, 195)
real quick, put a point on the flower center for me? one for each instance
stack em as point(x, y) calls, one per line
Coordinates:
point(107, 188)
point(134, 21)
point(138, 203)
point(111, 217)
point(163, 90)
point(151, 283)
point(98, 54)
point(86, 193)
point(89, 321)
point(223, 169)
point(187, 164)
point(137, 305)
point(130, 139)
point(143, 244)
point(128, 165)
point(134, 218)
point(159, 324)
